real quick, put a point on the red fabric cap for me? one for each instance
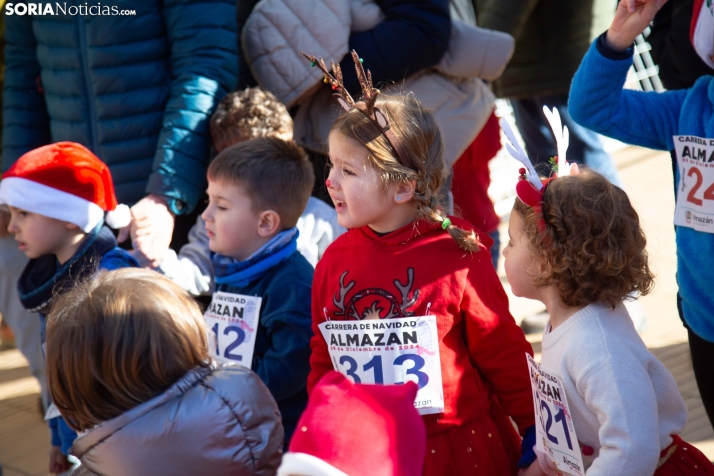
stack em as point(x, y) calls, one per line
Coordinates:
point(68, 167)
point(528, 193)
point(363, 430)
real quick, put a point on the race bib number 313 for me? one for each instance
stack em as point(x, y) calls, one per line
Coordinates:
point(695, 194)
point(390, 351)
point(555, 433)
point(233, 319)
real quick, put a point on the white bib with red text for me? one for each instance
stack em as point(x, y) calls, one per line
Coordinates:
point(695, 194)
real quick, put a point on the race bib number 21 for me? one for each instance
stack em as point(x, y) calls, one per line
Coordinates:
point(555, 433)
point(695, 194)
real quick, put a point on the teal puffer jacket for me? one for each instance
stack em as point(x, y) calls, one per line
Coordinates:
point(138, 90)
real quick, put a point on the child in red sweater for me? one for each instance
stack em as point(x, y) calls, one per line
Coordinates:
point(410, 293)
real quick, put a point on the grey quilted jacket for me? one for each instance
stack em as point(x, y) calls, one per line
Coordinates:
point(216, 420)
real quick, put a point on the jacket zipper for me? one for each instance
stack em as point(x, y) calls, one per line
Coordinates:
point(90, 97)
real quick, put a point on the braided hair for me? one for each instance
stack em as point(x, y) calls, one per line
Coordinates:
point(419, 134)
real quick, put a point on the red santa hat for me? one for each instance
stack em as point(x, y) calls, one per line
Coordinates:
point(357, 430)
point(702, 30)
point(67, 182)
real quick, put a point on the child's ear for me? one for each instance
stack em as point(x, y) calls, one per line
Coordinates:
point(404, 191)
point(269, 223)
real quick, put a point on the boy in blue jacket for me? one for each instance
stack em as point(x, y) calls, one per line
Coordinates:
point(682, 121)
point(260, 312)
point(59, 197)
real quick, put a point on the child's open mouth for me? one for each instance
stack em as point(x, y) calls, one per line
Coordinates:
point(339, 205)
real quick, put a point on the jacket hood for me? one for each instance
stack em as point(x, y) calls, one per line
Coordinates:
point(214, 420)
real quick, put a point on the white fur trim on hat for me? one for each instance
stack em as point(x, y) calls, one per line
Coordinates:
point(47, 201)
point(303, 464)
point(119, 217)
point(702, 34)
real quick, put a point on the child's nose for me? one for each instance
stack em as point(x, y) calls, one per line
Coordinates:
point(332, 181)
point(12, 227)
point(206, 215)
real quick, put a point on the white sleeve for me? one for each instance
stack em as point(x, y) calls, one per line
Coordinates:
point(625, 404)
point(191, 268)
point(326, 222)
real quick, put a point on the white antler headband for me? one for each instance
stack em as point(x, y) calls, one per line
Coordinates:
point(515, 149)
point(529, 188)
point(562, 139)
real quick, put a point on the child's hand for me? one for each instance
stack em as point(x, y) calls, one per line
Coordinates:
point(533, 470)
point(631, 18)
point(58, 461)
point(151, 229)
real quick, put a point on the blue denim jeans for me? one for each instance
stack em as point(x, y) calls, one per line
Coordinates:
point(585, 146)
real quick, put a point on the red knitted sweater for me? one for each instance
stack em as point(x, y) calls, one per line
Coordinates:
point(482, 349)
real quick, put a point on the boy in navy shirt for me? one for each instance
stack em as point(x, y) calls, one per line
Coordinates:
point(260, 312)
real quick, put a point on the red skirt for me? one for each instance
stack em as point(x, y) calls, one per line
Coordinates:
point(681, 458)
point(484, 446)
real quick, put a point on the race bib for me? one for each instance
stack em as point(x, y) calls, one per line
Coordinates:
point(555, 433)
point(695, 194)
point(390, 351)
point(233, 319)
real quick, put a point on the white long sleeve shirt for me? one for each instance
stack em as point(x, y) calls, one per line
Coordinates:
point(624, 402)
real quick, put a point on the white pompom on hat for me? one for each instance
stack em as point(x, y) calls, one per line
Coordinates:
point(702, 30)
point(65, 181)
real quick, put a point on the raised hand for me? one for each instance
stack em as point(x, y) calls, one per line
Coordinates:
point(631, 18)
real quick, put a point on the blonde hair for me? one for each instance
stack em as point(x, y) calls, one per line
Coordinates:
point(420, 136)
point(119, 340)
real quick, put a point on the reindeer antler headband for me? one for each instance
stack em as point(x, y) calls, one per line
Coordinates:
point(529, 188)
point(366, 105)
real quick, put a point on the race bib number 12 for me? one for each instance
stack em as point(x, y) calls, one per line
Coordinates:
point(233, 319)
point(695, 194)
point(390, 351)
point(555, 433)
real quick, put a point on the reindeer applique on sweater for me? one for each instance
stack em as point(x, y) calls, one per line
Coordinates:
point(371, 303)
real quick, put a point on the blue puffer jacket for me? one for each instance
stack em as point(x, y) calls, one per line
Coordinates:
point(137, 90)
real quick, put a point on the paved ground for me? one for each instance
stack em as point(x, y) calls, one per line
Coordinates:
point(24, 439)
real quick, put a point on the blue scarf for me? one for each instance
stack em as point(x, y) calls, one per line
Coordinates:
point(43, 277)
point(239, 274)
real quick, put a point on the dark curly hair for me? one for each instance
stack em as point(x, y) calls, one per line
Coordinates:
point(589, 241)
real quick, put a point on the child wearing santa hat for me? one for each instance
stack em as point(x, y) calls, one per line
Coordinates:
point(60, 196)
point(352, 429)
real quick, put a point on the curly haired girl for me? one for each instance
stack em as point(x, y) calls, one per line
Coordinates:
point(404, 262)
point(581, 252)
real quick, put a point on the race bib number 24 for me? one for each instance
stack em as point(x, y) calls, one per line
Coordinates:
point(695, 194)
